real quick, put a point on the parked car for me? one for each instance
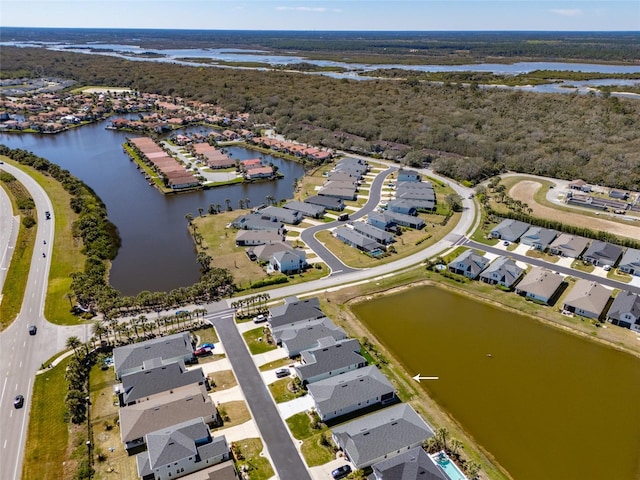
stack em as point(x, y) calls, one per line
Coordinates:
point(33, 329)
point(607, 268)
point(47, 215)
point(343, 217)
point(505, 243)
point(200, 352)
point(18, 402)
point(207, 345)
point(341, 472)
point(282, 372)
point(260, 318)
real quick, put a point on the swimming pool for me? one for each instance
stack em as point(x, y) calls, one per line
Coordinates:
point(450, 469)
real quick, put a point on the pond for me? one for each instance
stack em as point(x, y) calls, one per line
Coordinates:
point(546, 403)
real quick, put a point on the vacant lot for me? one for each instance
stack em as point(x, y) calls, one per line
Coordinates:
point(525, 191)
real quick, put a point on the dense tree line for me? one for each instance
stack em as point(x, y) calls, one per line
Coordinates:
point(491, 130)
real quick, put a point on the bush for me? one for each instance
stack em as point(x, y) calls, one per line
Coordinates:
point(28, 221)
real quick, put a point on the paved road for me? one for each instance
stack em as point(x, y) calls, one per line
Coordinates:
point(308, 235)
point(275, 434)
point(21, 355)
point(9, 226)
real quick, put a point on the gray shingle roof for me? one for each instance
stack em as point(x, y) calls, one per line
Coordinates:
point(469, 261)
point(503, 269)
point(414, 464)
point(631, 259)
point(372, 232)
point(294, 311)
point(625, 302)
point(350, 388)
point(329, 356)
point(169, 347)
point(304, 336)
point(569, 245)
point(372, 436)
point(603, 251)
point(510, 229)
point(588, 296)
point(540, 282)
point(307, 209)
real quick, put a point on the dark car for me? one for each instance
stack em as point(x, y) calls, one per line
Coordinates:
point(47, 215)
point(33, 329)
point(18, 402)
point(341, 472)
point(282, 372)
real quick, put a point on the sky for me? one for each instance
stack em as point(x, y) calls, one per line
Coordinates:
point(422, 15)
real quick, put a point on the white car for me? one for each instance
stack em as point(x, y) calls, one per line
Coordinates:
point(260, 318)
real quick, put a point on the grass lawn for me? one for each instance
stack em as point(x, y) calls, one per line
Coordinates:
point(206, 335)
point(247, 454)
point(313, 451)
point(48, 434)
point(281, 362)
point(67, 254)
point(233, 413)
point(615, 274)
point(222, 380)
point(582, 266)
point(281, 392)
point(256, 340)
point(547, 257)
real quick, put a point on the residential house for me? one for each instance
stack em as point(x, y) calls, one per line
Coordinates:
point(414, 464)
point(510, 230)
point(405, 186)
point(502, 271)
point(258, 172)
point(157, 377)
point(172, 348)
point(351, 391)
point(420, 204)
point(630, 262)
point(173, 407)
point(540, 284)
point(381, 435)
point(294, 311)
point(538, 238)
point(369, 231)
point(469, 264)
point(247, 238)
point(343, 176)
point(587, 299)
point(567, 245)
point(408, 176)
point(328, 359)
point(343, 193)
point(306, 209)
point(181, 449)
point(330, 203)
point(405, 220)
point(404, 207)
point(381, 221)
point(625, 311)
point(305, 335)
point(602, 253)
point(289, 261)
point(359, 241)
point(282, 215)
point(254, 221)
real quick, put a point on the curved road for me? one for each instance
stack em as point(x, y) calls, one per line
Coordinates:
point(21, 354)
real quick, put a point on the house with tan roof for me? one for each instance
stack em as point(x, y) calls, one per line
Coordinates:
point(587, 299)
point(567, 245)
point(540, 284)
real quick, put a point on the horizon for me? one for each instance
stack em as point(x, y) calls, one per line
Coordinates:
point(327, 15)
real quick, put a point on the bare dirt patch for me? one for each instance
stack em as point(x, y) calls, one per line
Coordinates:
point(525, 192)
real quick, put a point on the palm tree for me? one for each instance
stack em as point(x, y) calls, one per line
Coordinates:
point(441, 437)
point(218, 207)
point(247, 202)
point(212, 209)
point(241, 204)
point(189, 218)
point(73, 342)
point(98, 330)
point(200, 210)
point(228, 202)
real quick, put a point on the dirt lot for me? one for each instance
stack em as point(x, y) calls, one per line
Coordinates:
point(525, 191)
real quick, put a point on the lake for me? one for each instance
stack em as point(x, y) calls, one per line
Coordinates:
point(547, 404)
point(157, 252)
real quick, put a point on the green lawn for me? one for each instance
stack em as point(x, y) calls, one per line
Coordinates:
point(281, 362)
point(233, 413)
point(247, 455)
point(313, 450)
point(281, 392)
point(256, 340)
point(48, 434)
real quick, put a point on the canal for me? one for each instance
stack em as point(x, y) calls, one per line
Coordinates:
point(157, 252)
point(547, 404)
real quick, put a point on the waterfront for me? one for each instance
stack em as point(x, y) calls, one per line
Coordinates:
point(157, 252)
point(545, 403)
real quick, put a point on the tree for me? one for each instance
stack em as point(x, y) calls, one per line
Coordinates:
point(200, 210)
point(454, 202)
point(205, 262)
point(228, 202)
point(73, 342)
point(212, 209)
point(189, 218)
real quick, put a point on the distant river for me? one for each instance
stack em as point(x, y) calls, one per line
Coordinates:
point(547, 404)
point(157, 252)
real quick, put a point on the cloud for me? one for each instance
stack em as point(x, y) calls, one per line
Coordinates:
point(308, 9)
point(567, 12)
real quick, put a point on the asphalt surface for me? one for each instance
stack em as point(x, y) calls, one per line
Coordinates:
point(21, 354)
point(275, 434)
point(9, 226)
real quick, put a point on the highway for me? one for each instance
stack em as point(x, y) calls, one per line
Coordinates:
point(21, 354)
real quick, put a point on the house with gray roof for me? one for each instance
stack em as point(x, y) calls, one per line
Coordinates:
point(157, 377)
point(351, 391)
point(347, 184)
point(377, 234)
point(538, 238)
point(415, 194)
point(306, 209)
point(282, 215)
point(540, 284)
point(510, 230)
point(181, 449)
point(254, 221)
point(381, 435)
point(630, 262)
point(408, 176)
point(414, 464)
point(172, 348)
point(250, 238)
point(303, 336)
point(567, 245)
point(602, 253)
point(469, 264)
point(294, 311)
point(403, 186)
point(162, 411)
point(404, 207)
point(381, 221)
point(502, 271)
point(344, 176)
point(421, 205)
point(328, 359)
point(405, 220)
point(587, 299)
point(336, 204)
point(625, 311)
point(336, 192)
point(289, 261)
point(357, 240)
point(265, 252)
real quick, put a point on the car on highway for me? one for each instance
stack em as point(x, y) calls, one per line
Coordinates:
point(341, 472)
point(260, 318)
point(282, 372)
point(18, 402)
point(33, 329)
point(47, 215)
